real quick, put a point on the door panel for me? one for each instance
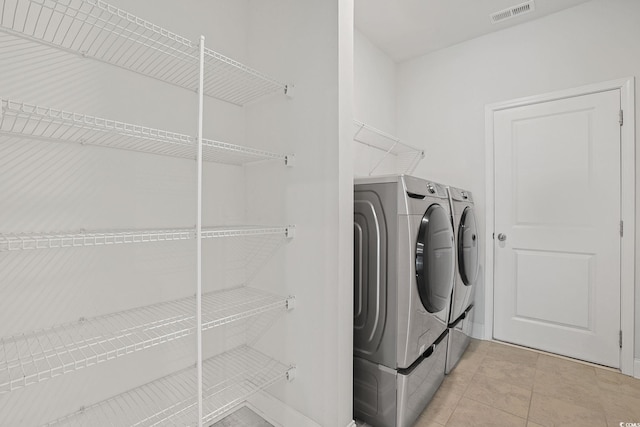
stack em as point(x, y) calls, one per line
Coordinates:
point(552, 169)
point(557, 202)
point(549, 279)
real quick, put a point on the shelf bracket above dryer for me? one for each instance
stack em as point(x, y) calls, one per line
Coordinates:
point(403, 157)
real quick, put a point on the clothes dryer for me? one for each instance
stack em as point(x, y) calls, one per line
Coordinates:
point(404, 266)
point(467, 270)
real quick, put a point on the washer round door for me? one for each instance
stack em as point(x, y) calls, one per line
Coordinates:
point(435, 259)
point(468, 265)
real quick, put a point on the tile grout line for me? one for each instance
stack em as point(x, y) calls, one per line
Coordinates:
point(454, 409)
point(462, 393)
point(530, 402)
point(533, 387)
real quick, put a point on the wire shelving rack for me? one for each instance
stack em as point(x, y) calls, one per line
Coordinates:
point(99, 31)
point(228, 379)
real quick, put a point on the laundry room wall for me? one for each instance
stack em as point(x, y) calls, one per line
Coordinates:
point(374, 85)
point(374, 100)
point(308, 42)
point(442, 95)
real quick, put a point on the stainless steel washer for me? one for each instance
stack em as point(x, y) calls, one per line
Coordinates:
point(404, 261)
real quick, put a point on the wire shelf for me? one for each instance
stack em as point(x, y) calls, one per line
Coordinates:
point(57, 240)
point(246, 230)
point(31, 358)
point(98, 30)
point(229, 379)
point(223, 152)
point(234, 82)
point(390, 145)
point(51, 124)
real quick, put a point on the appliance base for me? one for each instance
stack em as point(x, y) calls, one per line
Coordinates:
point(459, 339)
point(385, 397)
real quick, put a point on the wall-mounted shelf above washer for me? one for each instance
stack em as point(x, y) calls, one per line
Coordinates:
point(98, 30)
point(406, 156)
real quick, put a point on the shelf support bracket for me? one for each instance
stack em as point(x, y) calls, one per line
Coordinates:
point(289, 90)
point(290, 232)
point(289, 160)
point(291, 373)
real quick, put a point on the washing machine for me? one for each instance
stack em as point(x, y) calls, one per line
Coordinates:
point(467, 270)
point(404, 266)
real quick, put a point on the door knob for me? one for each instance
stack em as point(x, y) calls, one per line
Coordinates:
point(502, 237)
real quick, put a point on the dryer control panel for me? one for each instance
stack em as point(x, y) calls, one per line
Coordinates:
point(461, 195)
point(416, 187)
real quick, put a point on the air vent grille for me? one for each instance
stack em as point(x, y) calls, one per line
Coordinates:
point(513, 11)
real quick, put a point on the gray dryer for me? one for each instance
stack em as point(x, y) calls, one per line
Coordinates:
point(404, 262)
point(467, 268)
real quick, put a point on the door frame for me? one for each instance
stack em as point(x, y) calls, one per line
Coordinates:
point(628, 200)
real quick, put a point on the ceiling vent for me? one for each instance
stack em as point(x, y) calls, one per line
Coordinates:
point(512, 12)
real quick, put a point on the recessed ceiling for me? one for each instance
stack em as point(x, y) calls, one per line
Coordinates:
point(408, 28)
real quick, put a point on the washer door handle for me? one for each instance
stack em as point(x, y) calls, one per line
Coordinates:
point(502, 237)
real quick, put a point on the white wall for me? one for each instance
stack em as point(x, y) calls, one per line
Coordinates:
point(441, 96)
point(374, 93)
point(374, 85)
point(302, 41)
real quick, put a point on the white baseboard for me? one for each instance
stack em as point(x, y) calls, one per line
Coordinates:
point(277, 413)
point(636, 368)
point(477, 331)
point(351, 424)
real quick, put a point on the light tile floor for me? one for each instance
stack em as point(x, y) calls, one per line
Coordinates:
point(497, 385)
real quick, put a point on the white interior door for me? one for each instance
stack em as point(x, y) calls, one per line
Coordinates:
point(557, 209)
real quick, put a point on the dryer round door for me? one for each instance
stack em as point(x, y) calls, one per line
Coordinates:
point(435, 259)
point(468, 265)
